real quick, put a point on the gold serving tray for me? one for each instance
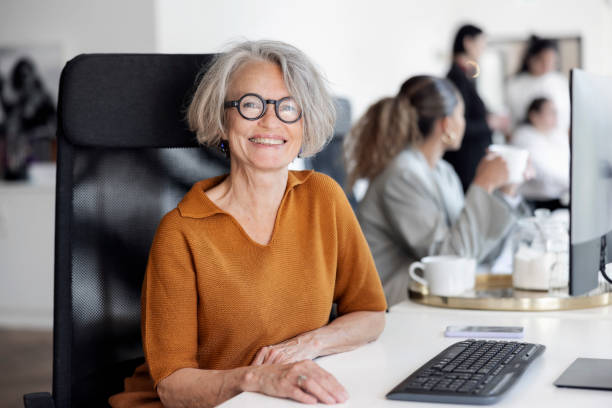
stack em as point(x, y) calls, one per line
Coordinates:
point(495, 292)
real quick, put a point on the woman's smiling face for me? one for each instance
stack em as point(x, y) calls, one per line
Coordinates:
point(266, 143)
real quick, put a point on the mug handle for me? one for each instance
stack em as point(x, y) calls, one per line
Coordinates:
point(414, 276)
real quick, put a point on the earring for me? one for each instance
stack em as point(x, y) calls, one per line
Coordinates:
point(475, 68)
point(300, 153)
point(223, 147)
point(449, 138)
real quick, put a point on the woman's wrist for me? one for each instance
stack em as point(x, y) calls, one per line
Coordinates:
point(313, 342)
point(510, 190)
point(248, 378)
point(484, 184)
point(208, 387)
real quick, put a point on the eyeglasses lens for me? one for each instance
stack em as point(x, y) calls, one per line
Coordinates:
point(251, 106)
point(288, 110)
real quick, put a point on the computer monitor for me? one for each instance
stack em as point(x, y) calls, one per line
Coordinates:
point(591, 179)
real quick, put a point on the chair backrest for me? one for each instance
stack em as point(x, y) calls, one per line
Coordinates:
point(331, 160)
point(125, 158)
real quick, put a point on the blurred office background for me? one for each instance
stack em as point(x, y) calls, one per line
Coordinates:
point(367, 49)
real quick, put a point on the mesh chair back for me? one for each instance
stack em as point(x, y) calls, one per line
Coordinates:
point(125, 158)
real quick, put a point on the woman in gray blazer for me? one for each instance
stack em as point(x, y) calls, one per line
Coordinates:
point(415, 205)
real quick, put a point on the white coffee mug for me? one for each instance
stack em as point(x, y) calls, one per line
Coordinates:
point(516, 160)
point(445, 275)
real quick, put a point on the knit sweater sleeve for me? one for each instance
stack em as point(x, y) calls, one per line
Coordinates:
point(169, 301)
point(358, 286)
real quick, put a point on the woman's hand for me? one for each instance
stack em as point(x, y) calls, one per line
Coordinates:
point(303, 381)
point(492, 172)
point(289, 351)
point(512, 189)
point(345, 333)
point(501, 123)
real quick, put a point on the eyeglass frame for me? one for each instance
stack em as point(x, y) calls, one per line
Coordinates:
point(266, 102)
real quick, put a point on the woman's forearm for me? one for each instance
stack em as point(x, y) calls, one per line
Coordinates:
point(345, 333)
point(192, 387)
point(302, 381)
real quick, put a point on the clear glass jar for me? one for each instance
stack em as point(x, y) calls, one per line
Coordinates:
point(541, 252)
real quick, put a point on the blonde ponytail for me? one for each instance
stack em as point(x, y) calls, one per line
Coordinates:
point(393, 124)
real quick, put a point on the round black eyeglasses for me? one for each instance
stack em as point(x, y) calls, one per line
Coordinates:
point(252, 107)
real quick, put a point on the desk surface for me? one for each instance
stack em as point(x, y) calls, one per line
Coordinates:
point(415, 333)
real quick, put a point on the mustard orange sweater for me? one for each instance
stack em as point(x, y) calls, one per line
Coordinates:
point(212, 297)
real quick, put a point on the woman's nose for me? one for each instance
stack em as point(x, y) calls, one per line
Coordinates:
point(269, 118)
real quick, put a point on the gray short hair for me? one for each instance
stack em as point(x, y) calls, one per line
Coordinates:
point(305, 83)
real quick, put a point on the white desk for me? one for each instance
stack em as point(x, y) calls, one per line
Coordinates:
point(414, 334)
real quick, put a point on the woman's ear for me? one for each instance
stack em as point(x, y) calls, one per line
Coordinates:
point(446, 124)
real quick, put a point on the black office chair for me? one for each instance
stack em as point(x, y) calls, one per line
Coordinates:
point(331, 160)
point(125, 158)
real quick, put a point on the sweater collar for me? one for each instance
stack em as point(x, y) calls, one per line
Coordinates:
point(196, 203)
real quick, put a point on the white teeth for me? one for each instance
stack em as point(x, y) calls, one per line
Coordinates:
point(266, 141)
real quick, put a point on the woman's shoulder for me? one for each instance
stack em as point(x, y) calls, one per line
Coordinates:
point(314, 182)
point(407, 171)
point(408, 164)
point(320, 191)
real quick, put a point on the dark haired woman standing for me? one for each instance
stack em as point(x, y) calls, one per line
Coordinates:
point(415, 206)
point(468, 46)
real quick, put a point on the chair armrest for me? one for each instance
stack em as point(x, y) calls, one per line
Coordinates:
point(38, 400)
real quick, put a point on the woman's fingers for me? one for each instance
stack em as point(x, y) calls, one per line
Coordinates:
point(272, 356)
point(319, 382)
point(278, 356)
point(334, 387)
point(299, 395)
point(261, 356)
point(314, 388)
point(303, 381)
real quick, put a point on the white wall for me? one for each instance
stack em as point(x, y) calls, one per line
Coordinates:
point(367, 48)
point(79, 26)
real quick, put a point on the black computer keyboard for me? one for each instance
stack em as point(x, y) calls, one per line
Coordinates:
point(468, 372)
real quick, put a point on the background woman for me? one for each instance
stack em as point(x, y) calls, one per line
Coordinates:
point(548, 148)
point(415, 204)
point(242, 275)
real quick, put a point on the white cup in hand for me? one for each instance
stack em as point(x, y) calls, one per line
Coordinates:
point(516, 160)
point(445, 275)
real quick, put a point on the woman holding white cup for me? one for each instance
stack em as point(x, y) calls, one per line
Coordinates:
point(415, 206)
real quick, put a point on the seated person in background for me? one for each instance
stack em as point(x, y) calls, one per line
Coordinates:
point(548, 148)
point(415, 205)
point(537, 77)
point(243, 273)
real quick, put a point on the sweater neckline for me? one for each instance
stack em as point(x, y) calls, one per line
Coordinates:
point(196, 203)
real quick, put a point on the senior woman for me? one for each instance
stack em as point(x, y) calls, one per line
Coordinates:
point(415, 205)
point(242, 275)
